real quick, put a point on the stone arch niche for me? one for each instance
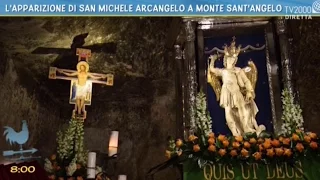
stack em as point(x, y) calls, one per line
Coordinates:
point(193, 49)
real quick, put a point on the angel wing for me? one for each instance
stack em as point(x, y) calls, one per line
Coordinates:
point(252, 73)
point(214, 81)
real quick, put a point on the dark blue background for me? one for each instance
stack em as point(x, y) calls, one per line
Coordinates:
point(262, 100)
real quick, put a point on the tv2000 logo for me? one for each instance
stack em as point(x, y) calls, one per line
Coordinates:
point(302, 12)
point(315, 8)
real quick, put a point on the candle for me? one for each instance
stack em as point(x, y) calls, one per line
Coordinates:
point(113, 143)
point(122, 177)
point(91, 168)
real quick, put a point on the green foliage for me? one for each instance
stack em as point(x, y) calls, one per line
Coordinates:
point(70, 143)
point(171, 144)
point(291, 115)
point(202, 116)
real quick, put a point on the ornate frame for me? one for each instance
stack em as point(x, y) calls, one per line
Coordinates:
point(192, 75)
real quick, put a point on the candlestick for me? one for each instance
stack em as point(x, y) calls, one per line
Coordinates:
point(122, 177)
point(113, 143)
point(91, 167)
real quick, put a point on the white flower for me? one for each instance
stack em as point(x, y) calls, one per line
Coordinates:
point(292, 113)
point(72, 167)
point(48, 166)
point(202, 119)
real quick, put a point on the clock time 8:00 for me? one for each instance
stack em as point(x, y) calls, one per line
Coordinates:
point(22, 169)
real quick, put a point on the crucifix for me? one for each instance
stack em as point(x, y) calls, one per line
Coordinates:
point(81, 82)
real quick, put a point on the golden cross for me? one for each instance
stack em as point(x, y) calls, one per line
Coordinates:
point(72, 75)
point(234, 38)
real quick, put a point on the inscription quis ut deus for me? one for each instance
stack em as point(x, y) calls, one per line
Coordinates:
point(253, 171)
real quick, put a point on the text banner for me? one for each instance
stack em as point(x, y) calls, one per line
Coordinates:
point(304, 169)
point(160, 8)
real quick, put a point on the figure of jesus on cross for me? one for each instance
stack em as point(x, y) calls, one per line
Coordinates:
point(81, 82)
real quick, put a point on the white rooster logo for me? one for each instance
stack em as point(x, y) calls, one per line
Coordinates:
point(17, 137)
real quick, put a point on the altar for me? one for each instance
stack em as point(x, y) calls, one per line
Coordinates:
point(239, 114)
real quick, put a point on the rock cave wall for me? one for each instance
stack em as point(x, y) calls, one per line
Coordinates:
point(306, 63)
point(140, 105)
point(20, 102)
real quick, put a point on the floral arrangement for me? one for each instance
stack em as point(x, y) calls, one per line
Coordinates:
point(51, 166)
point(245, 148)
point(292, 114)
point(205, 147)
point(202, 117)
point(70, 142)
point(71, 155)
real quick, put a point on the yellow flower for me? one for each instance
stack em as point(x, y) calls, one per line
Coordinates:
point(267, 144)
point(281, 139)
point(253, 140)
point(286, 141)
point(211, 140)
point(287, 152)
point(233, 153)
point(196, 148)
point(212, 148)
point(244, 153)
point(260, 147)
point(179, 143)
point(221, 137)
point(225, 143)
point(211, 135)
point(279, 151)
point(257, 156)
point(236, 145)
point(313, 135)
point(299, 147)
point(246, 145)
point(222, 152)
point(313, 145)
point(275, 143)
point(192, 138)
point(307, 139)
point(295, 137)
point(268, 140)
point(270, 152)
point(239, 138)
point(260, 140)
